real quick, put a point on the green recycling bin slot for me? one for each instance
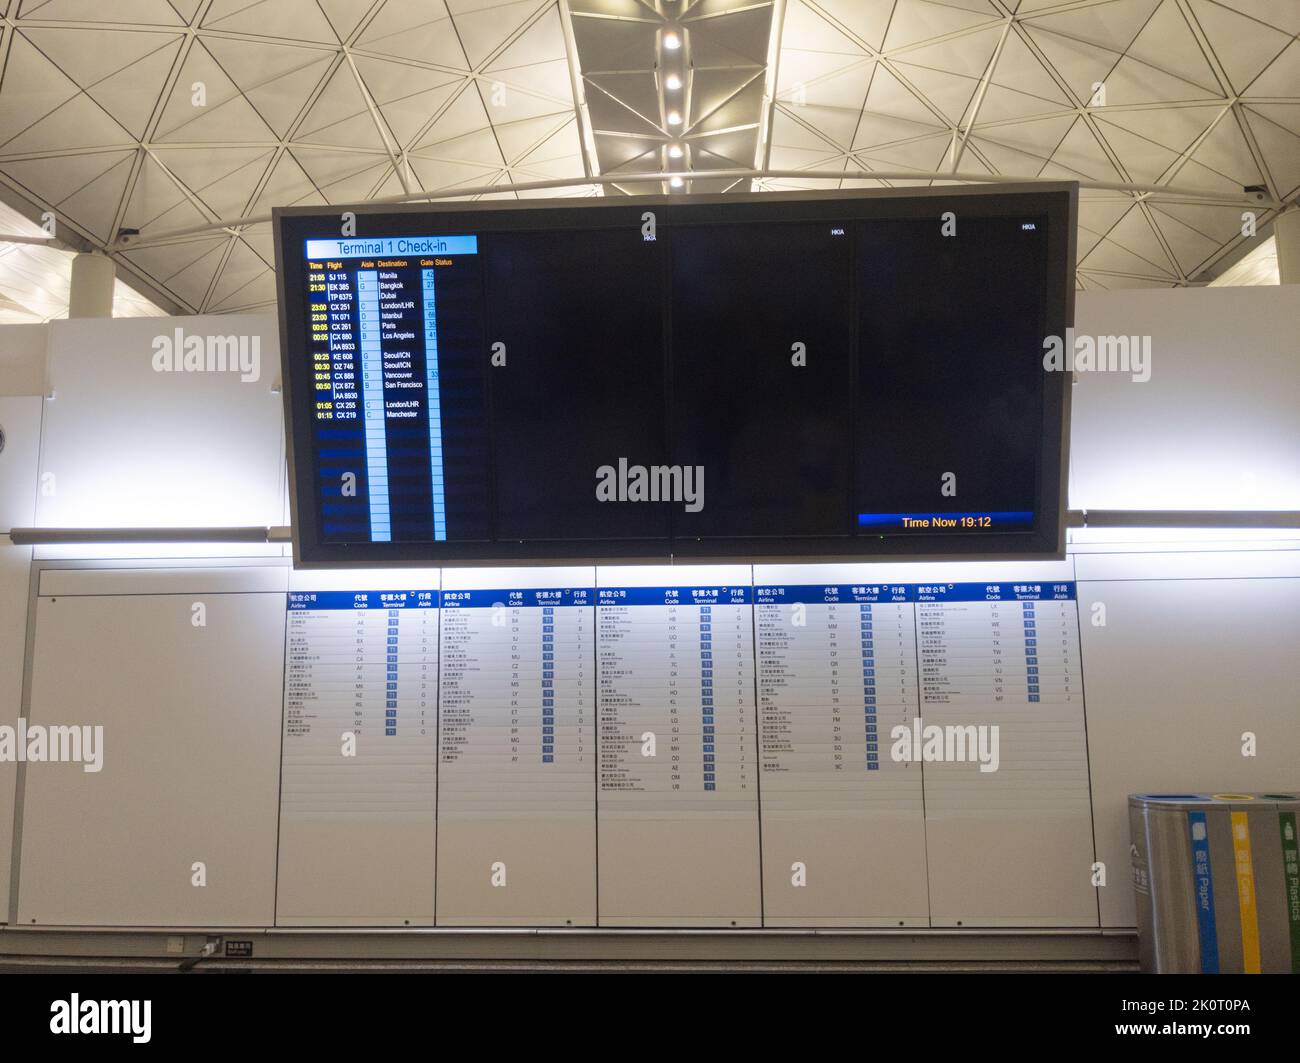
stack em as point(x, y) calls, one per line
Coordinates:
point(1217, 881)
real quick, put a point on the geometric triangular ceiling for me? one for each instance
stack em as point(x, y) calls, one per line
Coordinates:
point(169, 116)
point(161, 115)
point(1197, 95)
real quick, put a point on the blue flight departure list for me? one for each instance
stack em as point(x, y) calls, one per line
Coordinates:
point(395, 335)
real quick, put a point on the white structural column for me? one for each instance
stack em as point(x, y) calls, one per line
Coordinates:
point(91, 291)
point(1286, 232)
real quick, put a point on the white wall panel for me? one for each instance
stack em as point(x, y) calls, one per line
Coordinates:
point(22, 359)
point(129, 446)
point(1180, 670)
point(191, 719)
point(20, 420)
point(1216, 426)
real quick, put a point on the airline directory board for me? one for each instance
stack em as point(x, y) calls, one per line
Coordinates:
point(518, 748)
point(691, 746)
point(732, 377)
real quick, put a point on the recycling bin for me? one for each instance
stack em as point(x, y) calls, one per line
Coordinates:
point(1217, 880)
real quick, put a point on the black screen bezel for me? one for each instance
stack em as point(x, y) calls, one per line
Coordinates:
point(1057, 202)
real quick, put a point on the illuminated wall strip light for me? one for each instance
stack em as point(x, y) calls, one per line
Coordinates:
point(124, 536)
point(1076, 518)
point(1183, 518)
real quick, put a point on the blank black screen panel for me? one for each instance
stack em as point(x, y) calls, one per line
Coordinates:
point(761, 330)
point(582, 383)
point(950, 374)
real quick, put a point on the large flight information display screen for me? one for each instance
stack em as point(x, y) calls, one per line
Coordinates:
point(398, 388)
point(726, 377)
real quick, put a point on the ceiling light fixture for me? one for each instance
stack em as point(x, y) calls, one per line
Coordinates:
point(673, 82)
point(671, 41)
point(674, 118)
point(676, 181)
point(675, 151)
